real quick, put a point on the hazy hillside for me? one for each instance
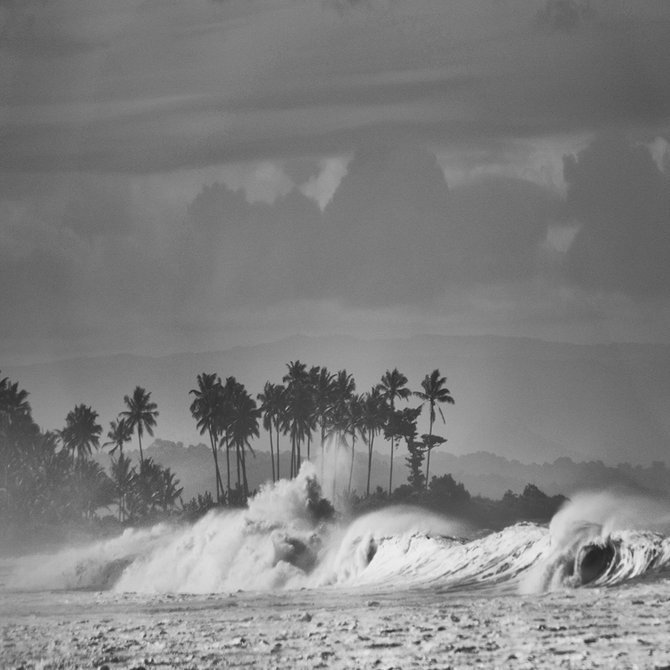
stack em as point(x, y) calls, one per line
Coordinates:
point(528, 400)
point(482, 473)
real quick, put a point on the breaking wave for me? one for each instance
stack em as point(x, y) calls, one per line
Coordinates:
point(283, 540)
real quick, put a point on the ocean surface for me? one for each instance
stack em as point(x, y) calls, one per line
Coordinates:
point(280, 543)
point(275, 585)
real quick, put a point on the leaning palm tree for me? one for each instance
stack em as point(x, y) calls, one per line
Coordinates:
point(141, 415)
point(393, 385)
point(81, 432)
point(205, 408)
point(434, 393)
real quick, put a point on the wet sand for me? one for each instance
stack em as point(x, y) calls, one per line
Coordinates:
point(622, 627)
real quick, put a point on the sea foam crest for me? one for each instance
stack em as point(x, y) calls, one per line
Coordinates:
point(283, 540)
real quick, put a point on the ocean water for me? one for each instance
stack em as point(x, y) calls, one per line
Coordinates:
point(279, 544)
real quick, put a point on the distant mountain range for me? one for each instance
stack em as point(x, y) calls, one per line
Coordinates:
point(482, 473)
point(521, 399)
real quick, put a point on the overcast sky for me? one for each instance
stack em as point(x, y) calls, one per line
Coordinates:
point(180, 176)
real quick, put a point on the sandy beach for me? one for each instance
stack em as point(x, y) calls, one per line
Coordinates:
point(622, 627)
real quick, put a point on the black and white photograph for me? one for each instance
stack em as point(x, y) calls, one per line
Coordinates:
point(334, 334)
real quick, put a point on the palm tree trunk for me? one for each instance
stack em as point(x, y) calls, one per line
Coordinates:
point(244, 474)
point(237, 455)
point(219, 485)
point(228, 466)
point(351, 465)
point(323, 448)
point(139, 437)
point(430, 444)
point(272, 456)
point(277, 429)
point(292, 472)
point(391, 470)
point(372, 439)
point(337, 451)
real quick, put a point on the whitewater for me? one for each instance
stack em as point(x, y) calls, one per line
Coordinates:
point(282, 542)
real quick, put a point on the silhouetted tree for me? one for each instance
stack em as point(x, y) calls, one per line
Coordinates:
point(141, 415)
point(434, 393)
point(206, 409)
point(393, 386)
point(373, 417)
point(81, 432)
point(119, 433)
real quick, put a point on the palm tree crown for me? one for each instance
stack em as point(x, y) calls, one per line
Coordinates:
point(81, 431)
point(434, 393)
point(207, 408)
point(393, 385)
point(141, 414)
point(120, 432)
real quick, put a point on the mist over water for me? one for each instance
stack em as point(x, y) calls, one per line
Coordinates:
point(282, 541)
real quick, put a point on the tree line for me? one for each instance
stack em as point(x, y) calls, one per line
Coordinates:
point(50, 476)
point(315, 406)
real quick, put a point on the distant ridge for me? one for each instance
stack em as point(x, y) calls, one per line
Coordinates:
point(525, 399)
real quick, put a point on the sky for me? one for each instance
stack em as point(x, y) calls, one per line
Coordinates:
point(190, 176)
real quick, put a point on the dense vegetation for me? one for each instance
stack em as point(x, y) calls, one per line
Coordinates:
point(49, 478)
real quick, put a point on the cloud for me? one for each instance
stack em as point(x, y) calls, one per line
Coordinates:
point(392, 234)
point(194, 85)
point(621, 199)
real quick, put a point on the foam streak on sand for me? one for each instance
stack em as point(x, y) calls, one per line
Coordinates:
point(281, 541)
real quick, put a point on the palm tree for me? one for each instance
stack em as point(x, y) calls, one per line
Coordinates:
point(123, 476)
point(355, 413)
point(244, 426)
point(434, 393)
point(141, 415)
point(224, 417)
point(206, 410)
point(323, 388)
point(169, 490)
point(81, 432)
point(298, 419)
point(393, 385)
point(268, 413)
point(119, 433)
point(373, 415)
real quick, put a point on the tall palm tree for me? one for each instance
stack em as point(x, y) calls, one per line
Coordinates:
point(298, 420)
point(434, 393)
point(393, 385)
point(355, 426)
point(119, 433)
point(231, 392)
point(373, 415)
point(140, 414)
point(244, 426)
point(123, 476)
point(81, 432)
point(270, 408)
point(206, 409)
point(344, 388)
point(323, 388)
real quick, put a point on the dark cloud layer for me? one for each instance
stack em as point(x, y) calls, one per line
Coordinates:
point(621, 199)
point(392, 234)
